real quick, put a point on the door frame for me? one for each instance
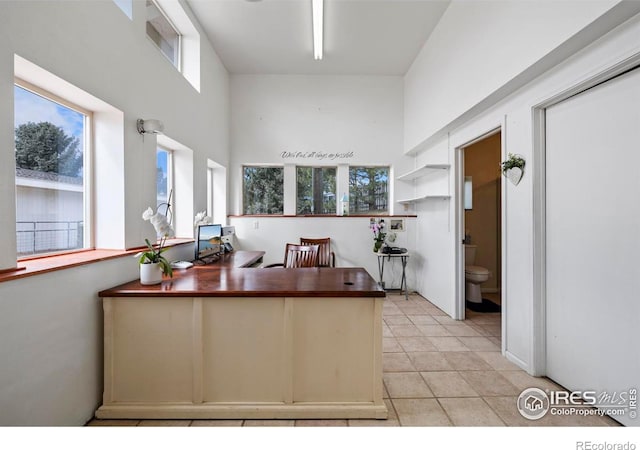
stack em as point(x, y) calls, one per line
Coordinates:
point(459, 224)
point(539, 330)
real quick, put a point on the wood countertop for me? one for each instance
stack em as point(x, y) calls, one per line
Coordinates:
point(225, 280)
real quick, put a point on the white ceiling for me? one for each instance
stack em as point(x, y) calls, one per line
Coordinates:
point(364, 37)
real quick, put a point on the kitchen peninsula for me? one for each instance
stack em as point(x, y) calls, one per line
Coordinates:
point(225, 342)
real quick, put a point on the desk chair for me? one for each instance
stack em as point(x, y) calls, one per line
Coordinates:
point(326, 258)
point(299, 256)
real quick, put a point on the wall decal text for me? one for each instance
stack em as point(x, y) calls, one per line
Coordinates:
point(316, 155)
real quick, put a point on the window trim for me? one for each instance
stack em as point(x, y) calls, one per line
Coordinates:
point(87, 167)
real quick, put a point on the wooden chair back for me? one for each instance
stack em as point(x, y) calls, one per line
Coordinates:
point(301, 256)
point(326, 258)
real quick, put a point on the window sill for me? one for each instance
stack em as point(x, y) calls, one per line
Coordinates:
point(45, 264)
point(318, 216)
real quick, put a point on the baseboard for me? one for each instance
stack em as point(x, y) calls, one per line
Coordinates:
point(517, 361)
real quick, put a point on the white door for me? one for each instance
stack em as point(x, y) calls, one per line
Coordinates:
point(593, 239)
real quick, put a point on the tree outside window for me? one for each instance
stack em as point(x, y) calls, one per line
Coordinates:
point(263, 190)
point(316, 190)
point(368, 190)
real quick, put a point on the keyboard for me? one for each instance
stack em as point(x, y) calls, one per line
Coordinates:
point(181, 264)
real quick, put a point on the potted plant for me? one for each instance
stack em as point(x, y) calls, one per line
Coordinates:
point(513, 168)
point(378, 235)
point(152, 264)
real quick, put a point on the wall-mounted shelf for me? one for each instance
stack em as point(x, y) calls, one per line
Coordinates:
point(422, 171)
point(425, 197)
point(427, 169)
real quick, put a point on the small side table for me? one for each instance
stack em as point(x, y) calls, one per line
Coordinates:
point(403, 259)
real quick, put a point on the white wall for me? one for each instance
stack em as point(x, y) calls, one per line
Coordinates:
point(436, 223)
point(351, 241)
point(52, 344)
point(477, 48)
point(51, 333)
point(51, 323)
point(434, 230)
point(271, 114)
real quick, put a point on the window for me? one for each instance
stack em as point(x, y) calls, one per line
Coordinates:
point(368, 190)
point(163, 33)
point(263, 190)
point(126, 6)
point(51, 150)
point(164, 179)
point(316, 190)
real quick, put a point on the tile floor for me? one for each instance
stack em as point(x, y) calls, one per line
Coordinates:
point(437, 372)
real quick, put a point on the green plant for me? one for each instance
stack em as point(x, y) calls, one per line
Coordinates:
point(154, 255)
point(512, 161)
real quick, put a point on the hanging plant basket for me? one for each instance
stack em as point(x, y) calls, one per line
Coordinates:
point(513, 168)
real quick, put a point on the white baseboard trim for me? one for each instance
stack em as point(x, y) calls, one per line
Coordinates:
point(517, 361)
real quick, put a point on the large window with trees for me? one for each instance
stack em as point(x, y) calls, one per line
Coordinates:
point(368, 190)
point(316, 190)
point(263, 190)
point(51, 151)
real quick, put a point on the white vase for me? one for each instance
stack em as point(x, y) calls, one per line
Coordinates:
point(150, 273)
point(514, 175)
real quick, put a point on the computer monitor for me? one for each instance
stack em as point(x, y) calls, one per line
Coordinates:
point(208, 240)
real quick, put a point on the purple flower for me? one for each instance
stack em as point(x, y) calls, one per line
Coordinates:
point(376, 228)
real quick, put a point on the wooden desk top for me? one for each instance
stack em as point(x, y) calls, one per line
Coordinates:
point(225, 280)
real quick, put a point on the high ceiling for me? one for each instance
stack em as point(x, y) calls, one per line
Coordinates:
point(363, 37)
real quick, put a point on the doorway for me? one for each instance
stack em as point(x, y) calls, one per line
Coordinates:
point(480, 231)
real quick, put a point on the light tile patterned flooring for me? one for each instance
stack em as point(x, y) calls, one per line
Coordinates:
point(437, 372)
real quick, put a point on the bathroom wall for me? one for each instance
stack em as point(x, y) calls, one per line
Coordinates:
point(482, 223)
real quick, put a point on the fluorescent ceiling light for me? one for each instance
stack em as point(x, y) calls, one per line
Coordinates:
point(317, 10)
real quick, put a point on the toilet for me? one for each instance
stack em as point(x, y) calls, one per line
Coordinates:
point(474, 275)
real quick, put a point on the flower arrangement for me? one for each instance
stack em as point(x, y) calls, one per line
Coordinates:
point(511, 162)
point(202, 219)
point(376, 227)
point(153, 255)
